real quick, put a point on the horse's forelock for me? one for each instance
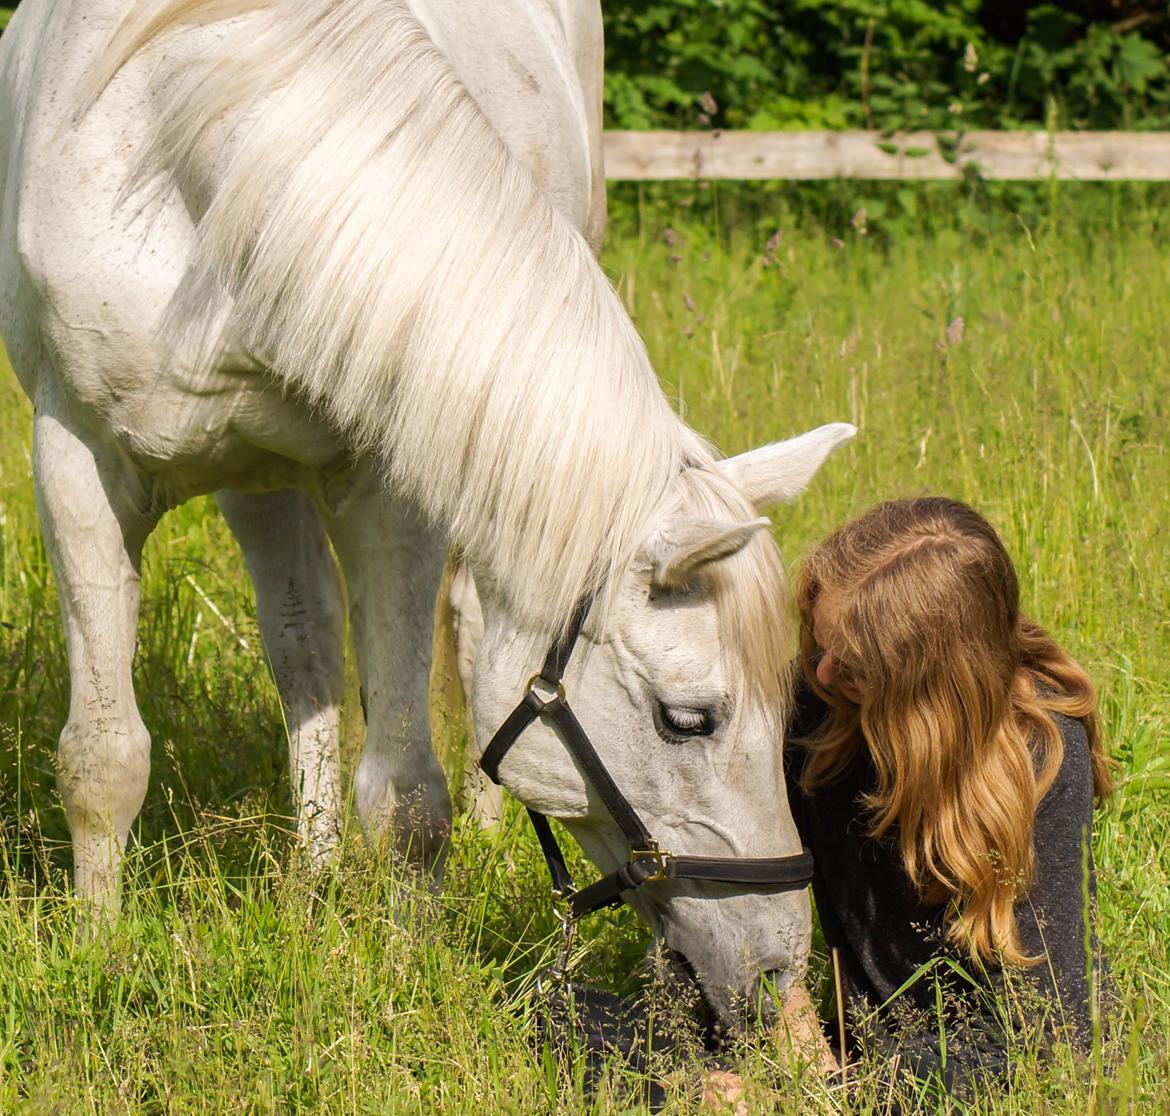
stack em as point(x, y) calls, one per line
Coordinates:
point(752, 597)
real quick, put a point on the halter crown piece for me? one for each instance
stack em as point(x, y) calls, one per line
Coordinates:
point(544, 696)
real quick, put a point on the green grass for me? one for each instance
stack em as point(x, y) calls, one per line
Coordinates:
point(235, 983)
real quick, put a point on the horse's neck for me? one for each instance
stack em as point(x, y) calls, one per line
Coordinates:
point(398, 266)
point(535, 71)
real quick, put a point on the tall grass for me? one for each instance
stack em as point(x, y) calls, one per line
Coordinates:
point(1018, 364)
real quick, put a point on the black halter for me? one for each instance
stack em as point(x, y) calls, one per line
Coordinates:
point(647, 862)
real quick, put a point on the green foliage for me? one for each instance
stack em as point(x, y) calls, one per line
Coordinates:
point(886, 64)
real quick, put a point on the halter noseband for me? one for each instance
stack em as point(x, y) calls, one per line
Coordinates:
point(647, 863)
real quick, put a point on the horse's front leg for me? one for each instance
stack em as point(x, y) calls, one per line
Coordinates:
point(393, 563)
point(95, 511)
point(302, 621)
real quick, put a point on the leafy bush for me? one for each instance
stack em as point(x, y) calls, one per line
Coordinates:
point(886, 64)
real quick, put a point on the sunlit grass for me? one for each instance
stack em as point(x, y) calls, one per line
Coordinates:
point(236, 983)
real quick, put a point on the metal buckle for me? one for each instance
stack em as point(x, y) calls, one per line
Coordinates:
point(535, 680)
point(654, 853)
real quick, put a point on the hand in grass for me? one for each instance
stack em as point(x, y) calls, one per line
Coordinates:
point(798, 1033)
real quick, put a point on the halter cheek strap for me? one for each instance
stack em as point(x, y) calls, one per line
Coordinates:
point(647, 863)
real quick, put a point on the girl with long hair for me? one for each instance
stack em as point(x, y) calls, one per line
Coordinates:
point(943, 766)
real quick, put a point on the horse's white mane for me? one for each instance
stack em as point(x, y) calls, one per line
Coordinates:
point(394, 264)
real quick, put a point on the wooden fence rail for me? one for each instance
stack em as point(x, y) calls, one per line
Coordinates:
point(1080, 156)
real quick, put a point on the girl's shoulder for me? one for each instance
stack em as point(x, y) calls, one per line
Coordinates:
point(1073, 785)
point(1072, 732)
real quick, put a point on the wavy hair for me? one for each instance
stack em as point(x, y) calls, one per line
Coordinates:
point(957, 696)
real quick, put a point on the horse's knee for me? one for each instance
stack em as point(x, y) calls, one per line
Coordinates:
point(103, 767)
point(102, 772)
point(309, 667)
point(405, 803)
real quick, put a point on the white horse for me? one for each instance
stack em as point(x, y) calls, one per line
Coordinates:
point(331, 259)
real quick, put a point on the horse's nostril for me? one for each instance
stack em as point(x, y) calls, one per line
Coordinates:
point(778, 982)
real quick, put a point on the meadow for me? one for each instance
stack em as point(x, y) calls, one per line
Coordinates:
point(1014, 357)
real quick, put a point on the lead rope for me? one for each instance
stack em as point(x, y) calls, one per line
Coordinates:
point(561, 966)
point(553, 987)
point(568, 939)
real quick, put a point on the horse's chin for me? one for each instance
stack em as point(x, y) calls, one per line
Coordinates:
point(743, 953)
point(726, 1018)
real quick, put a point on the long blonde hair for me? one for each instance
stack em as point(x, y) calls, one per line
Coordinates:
point(957, 696)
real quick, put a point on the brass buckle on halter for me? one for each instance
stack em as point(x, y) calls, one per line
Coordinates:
point(654, 853)
point(535, 680)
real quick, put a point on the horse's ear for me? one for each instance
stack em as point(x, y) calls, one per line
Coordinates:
point(685, 545)
point(782, 470)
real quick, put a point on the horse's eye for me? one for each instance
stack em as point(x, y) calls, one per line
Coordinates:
point(679, 720)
